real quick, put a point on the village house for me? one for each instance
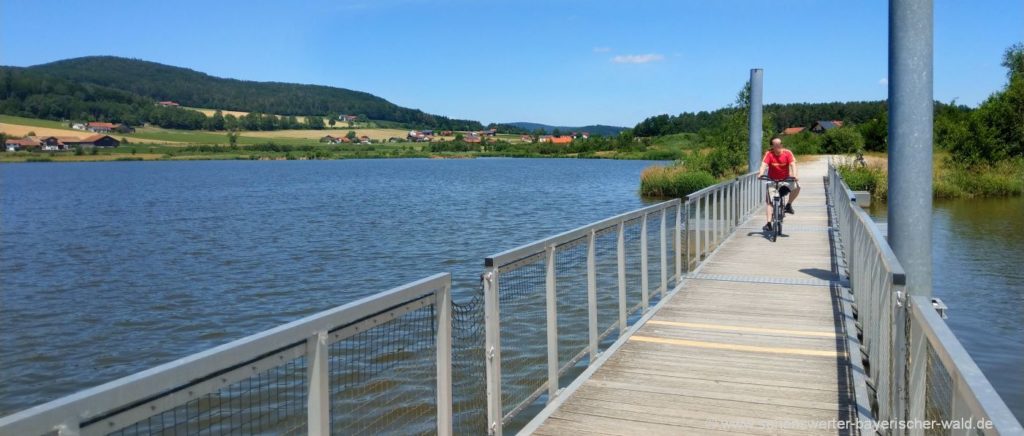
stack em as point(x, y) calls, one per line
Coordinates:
point(332, 139)
point(364, 139)
point(561, 140)
point(823, 126)
point(526, 138)
point(168, 104)
point(349, 118)
point(99, 141)
point(78, 126)
point(791, 131)
point(420, 136)
point(472, 138)
point(491, 132)
point(97, 127)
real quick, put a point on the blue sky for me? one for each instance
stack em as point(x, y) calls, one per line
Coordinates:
point(568, 62)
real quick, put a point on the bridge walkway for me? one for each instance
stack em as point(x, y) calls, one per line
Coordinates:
point(753, 343)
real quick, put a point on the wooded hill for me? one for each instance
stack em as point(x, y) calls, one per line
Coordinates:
point(108, 88)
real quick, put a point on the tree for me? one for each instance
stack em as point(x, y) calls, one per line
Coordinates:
point(216, 122)
point(332, 119)
point(351, 135)
point(459, 137)
point(233, 138)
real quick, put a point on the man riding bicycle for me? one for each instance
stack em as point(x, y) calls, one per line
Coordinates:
point(780, 165)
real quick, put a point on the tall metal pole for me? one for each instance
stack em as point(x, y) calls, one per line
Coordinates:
point(754, 158)
point(910, 140)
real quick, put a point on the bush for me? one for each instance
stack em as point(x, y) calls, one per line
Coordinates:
point(803, 143)
point(674, 181)
point(842, 141)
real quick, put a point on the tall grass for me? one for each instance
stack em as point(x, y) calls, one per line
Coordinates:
point(1003, 179)
point(673, 181)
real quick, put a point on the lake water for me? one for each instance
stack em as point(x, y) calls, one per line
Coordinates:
point(111, 268)
point(107, 269)
point(978, 271)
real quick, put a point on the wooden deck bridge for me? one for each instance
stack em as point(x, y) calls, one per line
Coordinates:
point(754, 342)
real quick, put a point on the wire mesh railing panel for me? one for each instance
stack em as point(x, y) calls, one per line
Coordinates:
point(469, 386)
point(571, 294)
point(606, 243)
point(271, 402)
point(384, 379)
point(522, 299)
point(938, 395)
point(634, 296)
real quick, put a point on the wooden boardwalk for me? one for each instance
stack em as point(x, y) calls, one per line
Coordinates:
point(753, 343)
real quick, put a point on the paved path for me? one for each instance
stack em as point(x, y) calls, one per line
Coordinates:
point(753, 343)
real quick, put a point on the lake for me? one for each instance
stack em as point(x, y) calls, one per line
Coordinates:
point(111, 268)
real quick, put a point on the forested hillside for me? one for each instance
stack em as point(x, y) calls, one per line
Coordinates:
point(125, 90)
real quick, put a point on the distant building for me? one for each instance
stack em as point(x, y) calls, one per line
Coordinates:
point(526, 138)
point(823, 126)
point(99, 141)
point(364, 139)
point(792, 131)
point(168, 104)
point(78, 126)
point(561, 140)
point(347, 117)
point(331, 139)
point(545, 138)
point(491, 132)
point(472, 138)
point(97, 127)
point(20, 144)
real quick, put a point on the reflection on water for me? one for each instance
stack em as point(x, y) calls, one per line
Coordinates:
point(978, 264)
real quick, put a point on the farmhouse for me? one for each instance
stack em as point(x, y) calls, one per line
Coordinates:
point(472, 138)
point(823, 126)
point(791, 131)
point(332, 139)
point(348, 117)
point(101, 141)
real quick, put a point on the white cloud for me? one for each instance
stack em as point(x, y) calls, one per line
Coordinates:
point(638, 59)
point(602, 49)
point(883, 81)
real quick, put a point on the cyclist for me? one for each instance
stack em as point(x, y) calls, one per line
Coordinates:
point(780, 164)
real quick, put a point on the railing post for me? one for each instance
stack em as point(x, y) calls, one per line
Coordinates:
point(492, 349)
point(707, 218)
point(443, 302)
point(318, 402)
point(697, 233)
point(592, 294)
point(551, 301)
point(916, 388)
point(664, 255)
point(643, 263)
point(621, 261)
point(678, 259)
point(716, 228)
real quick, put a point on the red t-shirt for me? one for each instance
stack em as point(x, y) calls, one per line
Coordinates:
point(778, 166)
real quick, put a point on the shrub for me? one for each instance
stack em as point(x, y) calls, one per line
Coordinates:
point(842, 141)
point(803, 143)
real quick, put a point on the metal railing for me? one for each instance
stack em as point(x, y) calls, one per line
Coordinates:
point(552, 303)
point(379, 364)
point(714, 212)
point(918, 373)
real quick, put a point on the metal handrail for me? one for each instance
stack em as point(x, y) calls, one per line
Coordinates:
point(898, 330)
point(717, 211)
point(128, 400)
point(733, 201)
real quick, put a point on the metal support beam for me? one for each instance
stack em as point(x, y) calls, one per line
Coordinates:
point(492, 350)
point(620, 250)
point(318, 402)
point(551, 301)
point(754, 157)
point(443, 306)
point(910, 140)
point(592, 294)
point(644, 279)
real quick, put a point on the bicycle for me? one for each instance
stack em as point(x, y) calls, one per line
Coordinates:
point(778, 205)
